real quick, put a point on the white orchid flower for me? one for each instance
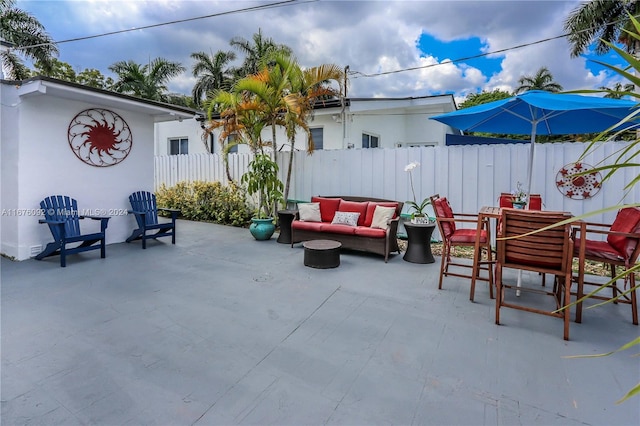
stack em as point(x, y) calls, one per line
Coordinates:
point(411, 166)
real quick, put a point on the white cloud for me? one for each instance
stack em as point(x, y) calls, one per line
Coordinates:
point(369, 36)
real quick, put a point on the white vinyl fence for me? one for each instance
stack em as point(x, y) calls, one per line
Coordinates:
point(470, 176)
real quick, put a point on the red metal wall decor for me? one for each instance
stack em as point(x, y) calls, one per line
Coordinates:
point(100, 137)
point(573, 184)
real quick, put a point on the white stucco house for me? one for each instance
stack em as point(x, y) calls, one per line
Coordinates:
point(359, 123)
point(61, 138)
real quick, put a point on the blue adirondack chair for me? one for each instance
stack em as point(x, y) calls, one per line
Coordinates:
point(144, 207)
point(61, 214)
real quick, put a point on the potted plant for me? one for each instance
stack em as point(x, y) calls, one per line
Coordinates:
point(418, 215)
point(519, 197)
point(262, 180)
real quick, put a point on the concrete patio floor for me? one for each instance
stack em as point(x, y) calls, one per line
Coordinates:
point(220, 329)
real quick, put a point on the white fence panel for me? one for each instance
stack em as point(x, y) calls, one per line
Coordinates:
point(171, 169)
point(470, 176)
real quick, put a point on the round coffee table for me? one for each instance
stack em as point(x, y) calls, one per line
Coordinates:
point(322, 254)
point(419, 242)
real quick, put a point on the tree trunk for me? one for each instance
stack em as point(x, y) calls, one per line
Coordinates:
point(289, 169)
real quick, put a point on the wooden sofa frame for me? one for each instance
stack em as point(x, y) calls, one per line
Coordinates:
point(381, 246)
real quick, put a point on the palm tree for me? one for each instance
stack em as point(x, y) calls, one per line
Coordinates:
point(212, 73)
point(255, 52)
point(269, 87)
point(618, 91)
point(146, 81)
point(602, 22)
point(307, 87)
point(27, 36)
point(240, 117)
point(542, 80)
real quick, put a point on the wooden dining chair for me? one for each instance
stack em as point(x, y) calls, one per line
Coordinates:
point(453, 234)
point(617, 245)
point(524, 244)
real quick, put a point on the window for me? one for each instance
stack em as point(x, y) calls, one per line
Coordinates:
point(317, 134)
point(178, 146)
point(232, 138)
point(370, 141)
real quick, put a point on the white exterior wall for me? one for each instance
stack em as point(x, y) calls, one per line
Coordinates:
point(40, 163)
point(189, 129)
point(9, 153)
point(403, 121)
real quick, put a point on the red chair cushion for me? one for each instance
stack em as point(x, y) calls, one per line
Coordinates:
point(597, 250)
point(506, 200)
point(355, 207)
point(371, 208)
point(627, 220)
point(467, 236)
point(328, 207)
point(442, 208)
point(535, 202)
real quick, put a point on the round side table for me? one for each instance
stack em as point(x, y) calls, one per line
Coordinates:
point(419, 242)
point(285, 218)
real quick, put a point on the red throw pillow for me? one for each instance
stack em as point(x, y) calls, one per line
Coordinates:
point(355, 207)
point(328, 207)
point(371, 209)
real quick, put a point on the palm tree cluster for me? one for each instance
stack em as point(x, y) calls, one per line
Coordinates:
point(602, 22)
point(27, 37)
point(281, 93)
point(215, 71)
point(146, 81)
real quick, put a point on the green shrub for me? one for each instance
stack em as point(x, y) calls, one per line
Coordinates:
point(207, 201)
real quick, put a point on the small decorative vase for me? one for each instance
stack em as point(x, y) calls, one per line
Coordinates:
point(519, 205)
point(262, 229)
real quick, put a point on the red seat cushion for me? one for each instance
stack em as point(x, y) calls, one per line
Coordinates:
point(366, 231)
point(627, 220)
point(338, 229)
point(597, 250)
point(307, 226)
point(328, 207)
point(371, 208)
point(467, 236)
point(355, 207)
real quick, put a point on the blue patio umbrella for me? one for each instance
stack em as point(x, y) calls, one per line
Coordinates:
point(537, 112)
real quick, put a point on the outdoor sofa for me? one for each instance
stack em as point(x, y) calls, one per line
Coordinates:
point(352, 220)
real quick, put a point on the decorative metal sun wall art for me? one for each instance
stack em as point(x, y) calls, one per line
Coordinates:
point(100, 137)
point(574, 183)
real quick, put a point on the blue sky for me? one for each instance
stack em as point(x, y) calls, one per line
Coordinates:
point(376, 39)
point(456, 49)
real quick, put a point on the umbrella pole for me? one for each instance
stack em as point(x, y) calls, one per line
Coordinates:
point(531, 150)
point(529, 175)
